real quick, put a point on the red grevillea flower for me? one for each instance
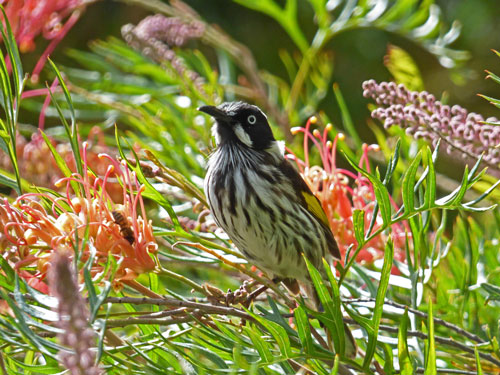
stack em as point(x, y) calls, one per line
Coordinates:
point(51, 18)
point(342, 191)
point(88, 220)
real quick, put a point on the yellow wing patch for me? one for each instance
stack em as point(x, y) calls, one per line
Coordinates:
point(314, 206)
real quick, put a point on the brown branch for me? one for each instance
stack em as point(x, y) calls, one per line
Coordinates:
point(442, 340)
point(241, 268)
point(115, 323)
point(421, 370)
point(141, 288)
point(438, 321)
point(163, 314)
point(171, 302)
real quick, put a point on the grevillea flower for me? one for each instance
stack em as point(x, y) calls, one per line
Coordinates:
point(51, 18)
point(76, 334)
point(37, 223)
point(37, 165)
point(422, 116)
point(341, 192)
point(170, 30)
point(155, 36)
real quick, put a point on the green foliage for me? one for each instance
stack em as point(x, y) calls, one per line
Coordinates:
point(12, 88)
point(405, 363)
point(430, 359)
point(419, 21)
point(403, 68)
point(169, 320)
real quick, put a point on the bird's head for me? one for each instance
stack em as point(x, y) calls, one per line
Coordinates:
point(242, 123)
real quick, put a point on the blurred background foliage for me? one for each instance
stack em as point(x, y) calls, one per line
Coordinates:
point(357, 54)
point(418, 252)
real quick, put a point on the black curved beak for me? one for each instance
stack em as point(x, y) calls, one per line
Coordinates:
point(215, 112)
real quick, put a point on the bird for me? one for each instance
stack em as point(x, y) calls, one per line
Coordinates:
point(264, 205)
point(260, 199)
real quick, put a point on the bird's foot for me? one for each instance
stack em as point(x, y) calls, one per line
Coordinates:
point(257, 292)
point(218, 297)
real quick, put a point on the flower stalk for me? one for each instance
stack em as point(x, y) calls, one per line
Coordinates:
point(77, 335)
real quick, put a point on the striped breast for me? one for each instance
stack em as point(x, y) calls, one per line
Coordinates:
point(256, 204)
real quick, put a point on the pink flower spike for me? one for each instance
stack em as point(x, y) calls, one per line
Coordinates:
point(76, 333)
point(118, 171)
point(42, 195)
point(310, 136)
point(109, 171)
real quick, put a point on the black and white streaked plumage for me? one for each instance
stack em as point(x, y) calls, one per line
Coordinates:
point(259, 199)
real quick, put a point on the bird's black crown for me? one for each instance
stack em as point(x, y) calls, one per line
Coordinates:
point(241, 122)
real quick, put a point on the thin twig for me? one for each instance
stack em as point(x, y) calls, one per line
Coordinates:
point(115, 323)
point(252, 296)
point(144, 314)
point(166, 301)
point(241, 268)
point(439, 339)
point(141, 288)
point(421, 370)
point(163, 314)
point(183, 279)
point(438, 321)
point(318, 337)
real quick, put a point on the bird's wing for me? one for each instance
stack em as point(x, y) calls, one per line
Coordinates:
point(314, 206)
point(311, 203)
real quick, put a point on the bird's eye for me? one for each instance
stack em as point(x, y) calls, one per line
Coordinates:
point(252, 119)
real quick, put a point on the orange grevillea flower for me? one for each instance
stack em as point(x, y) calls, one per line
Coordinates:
point(37, 165)
point(88, 220)
point(342, 191)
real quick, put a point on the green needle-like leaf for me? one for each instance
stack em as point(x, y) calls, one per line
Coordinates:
point(405, 363)
point(408, 188)
point(478, 362)
point(430, 191)
point(381, 193)
point(379, 303)
point(430, 360)
point(358, 220)
point(303, 329)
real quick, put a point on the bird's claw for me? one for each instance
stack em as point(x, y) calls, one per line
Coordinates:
point(218, 297)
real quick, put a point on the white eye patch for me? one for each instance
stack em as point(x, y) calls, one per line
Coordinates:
point(251, 119)
point(242, 135)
